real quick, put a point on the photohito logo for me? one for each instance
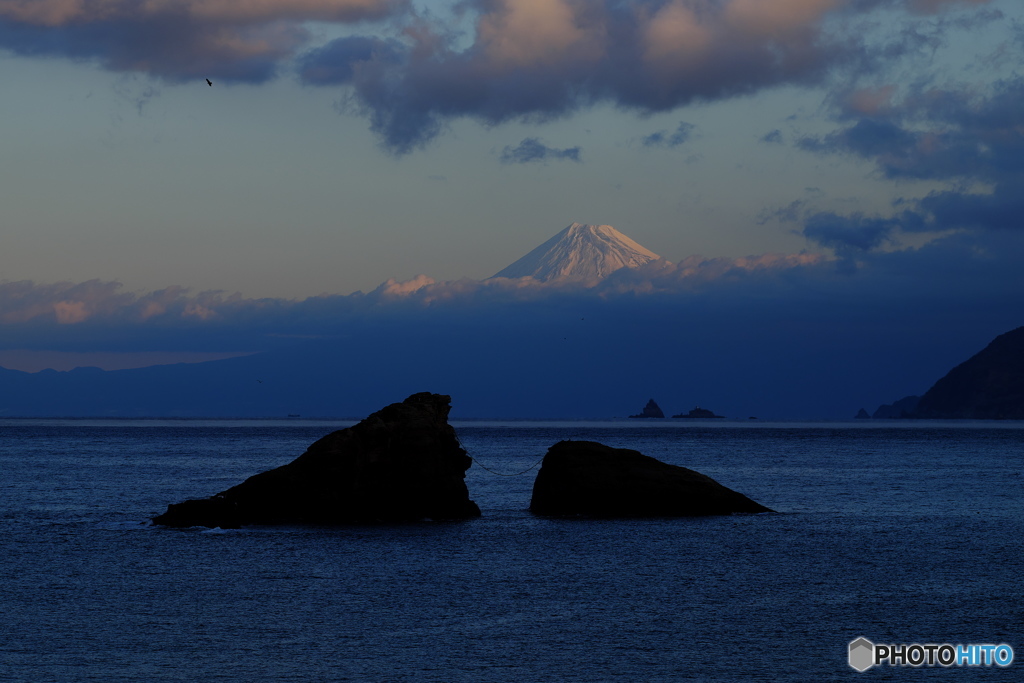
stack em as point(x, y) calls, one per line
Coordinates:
point(864, 654)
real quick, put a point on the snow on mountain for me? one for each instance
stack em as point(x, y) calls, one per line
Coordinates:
point(580, 253)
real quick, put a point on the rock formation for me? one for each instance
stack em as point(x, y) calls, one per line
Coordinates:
point(589, 478)
point(401, 464)
point(699, 413)
point(862, 415)
point(987, 386)
point(650, 410)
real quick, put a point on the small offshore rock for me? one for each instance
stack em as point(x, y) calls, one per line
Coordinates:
point(652, 409)
point(699, 413)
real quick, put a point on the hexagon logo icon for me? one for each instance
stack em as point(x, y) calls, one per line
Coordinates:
point(862, 654)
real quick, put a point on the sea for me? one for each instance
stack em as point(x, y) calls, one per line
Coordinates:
point(898, 532)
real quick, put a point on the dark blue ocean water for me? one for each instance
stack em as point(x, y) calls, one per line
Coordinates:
point(900, 533)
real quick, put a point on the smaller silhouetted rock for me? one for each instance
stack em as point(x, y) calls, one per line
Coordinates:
point(903, 408)
point(589, 478)
point(650, 410)
point(401, 464)
point(699, 413)
point(862, 415)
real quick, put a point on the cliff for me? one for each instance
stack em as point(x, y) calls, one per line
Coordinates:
point(905, 407)
point(987, 386)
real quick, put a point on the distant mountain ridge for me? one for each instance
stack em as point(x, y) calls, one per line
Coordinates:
point(987, 386)
point(582, 253)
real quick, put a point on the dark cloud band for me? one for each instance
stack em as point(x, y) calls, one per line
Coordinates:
point(532, 150)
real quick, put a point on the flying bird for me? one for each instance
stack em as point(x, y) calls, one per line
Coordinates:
point(209, 83)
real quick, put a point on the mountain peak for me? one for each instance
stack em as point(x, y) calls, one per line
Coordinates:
point(581, 252)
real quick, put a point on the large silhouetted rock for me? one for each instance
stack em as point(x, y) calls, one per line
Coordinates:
point(987, 386)
point(589, 478)
point(401, 464)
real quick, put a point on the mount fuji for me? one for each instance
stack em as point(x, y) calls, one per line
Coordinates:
point(580, 253)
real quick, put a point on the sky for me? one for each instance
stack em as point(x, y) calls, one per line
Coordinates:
point(865, 150)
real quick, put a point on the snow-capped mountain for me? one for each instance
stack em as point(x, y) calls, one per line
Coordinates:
point(580, 252)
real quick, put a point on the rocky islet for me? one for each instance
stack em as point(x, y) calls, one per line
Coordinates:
point(404, 463)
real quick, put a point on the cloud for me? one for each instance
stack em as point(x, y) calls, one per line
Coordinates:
point(101, 316)
point(25, 301)
point(532, 149)
point(885, 140)
point(65, 12)
point(177, 40)
point(778, 336)
point(933, 133)
point(337, 62)
point(414, 71)
point(1001, 209)
point(535, 33)
point(393, 288)
point(772, 137)
point(101, 312)
point(849, 233)
point(537, 60)
point(663, 138)
point(965, 139)
point(34, 361)
point(932, 6)
point(937, 212)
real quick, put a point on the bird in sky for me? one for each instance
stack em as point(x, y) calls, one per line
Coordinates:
point(209, 82)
